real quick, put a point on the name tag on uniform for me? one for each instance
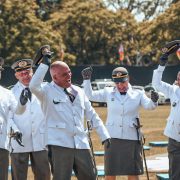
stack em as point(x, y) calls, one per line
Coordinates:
point(174, 104)
point(112, 99)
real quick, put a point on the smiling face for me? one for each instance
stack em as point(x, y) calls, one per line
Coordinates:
point(24, 76)
point(61, 74)
point(122, 86)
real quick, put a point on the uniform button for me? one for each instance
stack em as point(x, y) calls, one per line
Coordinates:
point(122, 104)
point(31, 112)
point(179, 124)
point(74, 134)
point(74, 114)
point(32, 121)
point(108, 123)
point(56, 125)
point(120, 125)
point(1, 123)
point(75, 124)
point(1, 133)
point(121, 114)
point(59, 100)
point(179, 132)
point(72, 104)
point(33, 131)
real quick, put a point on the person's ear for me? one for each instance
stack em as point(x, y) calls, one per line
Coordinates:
point(16, 75)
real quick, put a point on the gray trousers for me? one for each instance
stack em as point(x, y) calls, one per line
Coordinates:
point(4, 164)
point(65, 159)
point(174, 159)
point(39, 165)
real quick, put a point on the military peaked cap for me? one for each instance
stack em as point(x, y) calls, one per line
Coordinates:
point(170, 47)
point(21, 65)
point(1, 63)
point(39, 57)
point(120, 74)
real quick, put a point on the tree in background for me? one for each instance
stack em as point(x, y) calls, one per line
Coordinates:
point(159, 31)
point(148, 8)
point(22, 33)
point(92, 33)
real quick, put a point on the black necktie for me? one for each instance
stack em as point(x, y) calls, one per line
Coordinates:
point(29, 93)
point(71, 97)
point(123, 93)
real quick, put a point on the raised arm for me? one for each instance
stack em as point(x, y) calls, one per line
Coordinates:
point(97, 96)
point(36, 82)
point(157, 82)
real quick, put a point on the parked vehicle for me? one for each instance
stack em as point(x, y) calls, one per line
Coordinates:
point(162, 98)
point(99, 84)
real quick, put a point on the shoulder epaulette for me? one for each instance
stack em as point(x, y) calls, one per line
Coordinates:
point(175, 82)
point(77, 85)
point(138, 87)
point(110, 85)
point(10, 87)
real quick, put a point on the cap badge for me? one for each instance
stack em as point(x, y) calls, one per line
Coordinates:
point(119, 74)
point(164, 49)
point(22, 64)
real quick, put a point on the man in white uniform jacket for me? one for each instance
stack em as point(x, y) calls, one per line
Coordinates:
point(7, 103)
point(65, 106)
point(31, 125)
point(172, 129)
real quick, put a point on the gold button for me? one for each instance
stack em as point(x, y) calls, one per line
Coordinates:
point(120, 125)
point(72, 104)
point(33, 131)
point(74, 134)
point(179, 132)
point(122, 104)
point(32, 121)
point(59, 100)
point(1, 133)
point(1, 123)
point(56, 125)
point(108, 123)
point(179, 124)
point(74, 114)
point(121, 114)
point(75, 124)
point(31, 112)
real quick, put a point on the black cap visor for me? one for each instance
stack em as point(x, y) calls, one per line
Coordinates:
point(122, 79)
point(23, 69)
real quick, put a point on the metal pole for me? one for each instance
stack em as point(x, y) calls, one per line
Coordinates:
point(91, 146)
point(138, 126)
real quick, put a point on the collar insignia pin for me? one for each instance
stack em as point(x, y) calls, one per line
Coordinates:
point(174, 104)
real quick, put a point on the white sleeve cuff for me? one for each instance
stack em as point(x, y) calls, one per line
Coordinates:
point(161, 68)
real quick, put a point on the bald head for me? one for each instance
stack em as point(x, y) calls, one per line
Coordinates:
point(61, 74)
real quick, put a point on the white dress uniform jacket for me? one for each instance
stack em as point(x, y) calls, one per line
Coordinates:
point(7, 103)
point(64, 119)
point(122, 111)
point(31, 124)
point(172, 129)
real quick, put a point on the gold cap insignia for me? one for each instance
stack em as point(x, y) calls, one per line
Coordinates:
point(22, 64)
point(164, 49)
point(119, 74)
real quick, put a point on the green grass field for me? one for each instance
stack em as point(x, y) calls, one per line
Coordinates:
point(153, 123)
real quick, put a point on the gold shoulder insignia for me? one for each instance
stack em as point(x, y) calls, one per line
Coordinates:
point(138, 87)
point(10, 87)
point(175, 82)
point(77, 85)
